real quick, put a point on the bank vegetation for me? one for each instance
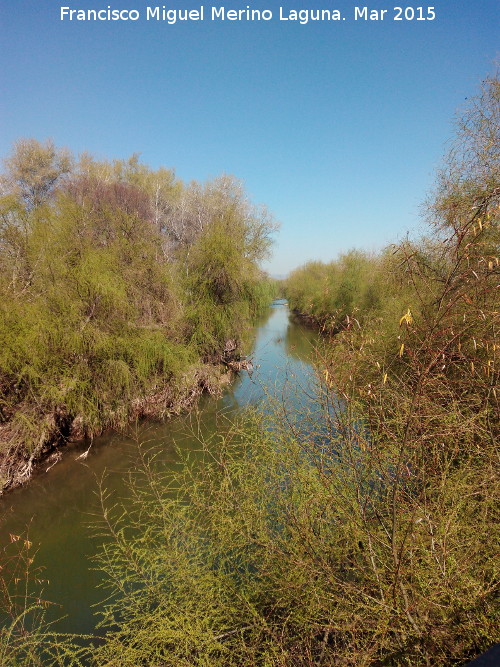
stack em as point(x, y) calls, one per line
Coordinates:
point(364, 530)
point(122, 290)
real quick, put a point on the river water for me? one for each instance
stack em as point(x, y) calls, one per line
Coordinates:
point(57, 508)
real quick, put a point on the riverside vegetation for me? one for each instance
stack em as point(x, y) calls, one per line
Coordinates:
point(121, 289)
point(366, 533)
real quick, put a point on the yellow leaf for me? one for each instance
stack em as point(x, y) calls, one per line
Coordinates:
point(407, 317)
point(401, 349)
point(385, 378)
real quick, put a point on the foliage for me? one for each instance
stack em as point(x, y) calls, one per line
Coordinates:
point(368, 534)
point(25, 637)
point(323, 547)
point(34, 169)
point(352, 286)
point(470, 175)
point(223, 281)
point(105, 297)
point(362, 531)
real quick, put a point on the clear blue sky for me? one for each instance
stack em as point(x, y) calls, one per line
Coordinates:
point(338, 127)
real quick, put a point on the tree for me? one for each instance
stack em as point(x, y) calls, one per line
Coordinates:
point(469, 183)
point(34, 169)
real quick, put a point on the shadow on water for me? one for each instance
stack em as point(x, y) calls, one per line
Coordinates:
point(57, 507)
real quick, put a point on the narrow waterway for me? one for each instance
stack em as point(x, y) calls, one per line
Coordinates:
point(57, 509)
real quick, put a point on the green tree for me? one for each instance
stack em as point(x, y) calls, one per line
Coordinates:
point(34, 169)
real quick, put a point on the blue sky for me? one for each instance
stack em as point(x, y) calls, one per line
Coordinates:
point(338, 127)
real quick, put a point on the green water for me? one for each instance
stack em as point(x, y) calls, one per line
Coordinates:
point(58, 507)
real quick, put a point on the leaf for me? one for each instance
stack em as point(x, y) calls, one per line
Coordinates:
point(407, 317)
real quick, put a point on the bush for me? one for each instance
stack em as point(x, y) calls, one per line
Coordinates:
point(367, 534)
point(115, 280)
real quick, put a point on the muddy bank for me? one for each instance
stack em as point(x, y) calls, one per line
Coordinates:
point(324, 326)
point(59, 507)
point(58, 428)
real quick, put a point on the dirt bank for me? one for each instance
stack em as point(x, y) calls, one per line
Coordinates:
point(58, 428)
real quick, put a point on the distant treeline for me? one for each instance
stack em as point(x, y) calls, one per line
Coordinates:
point(115, 281)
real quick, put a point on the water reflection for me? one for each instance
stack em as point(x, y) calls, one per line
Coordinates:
point(57, 507)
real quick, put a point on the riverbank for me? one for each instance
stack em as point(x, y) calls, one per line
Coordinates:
point(121, 289)
point(58, 506)
point(58, 429)
point(416, 367)
point(327, 326)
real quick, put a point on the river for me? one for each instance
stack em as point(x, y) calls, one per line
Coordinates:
point(57, 508)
